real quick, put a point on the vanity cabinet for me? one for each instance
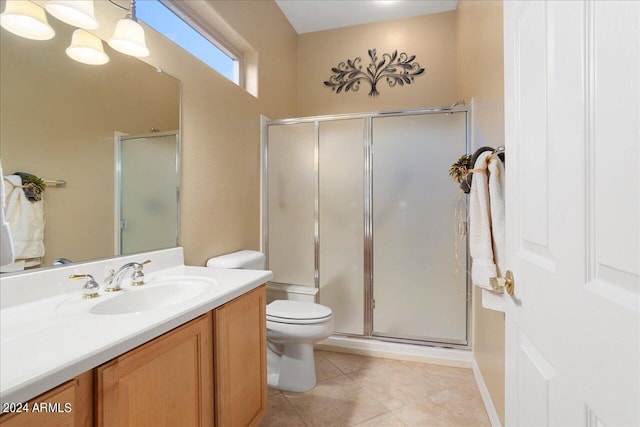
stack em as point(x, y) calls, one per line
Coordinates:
point(209, 371)
point(68, 405)
point(165, 382)
point(240, 360)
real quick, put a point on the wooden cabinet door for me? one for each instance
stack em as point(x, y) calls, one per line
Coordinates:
point(240, 360)
point(165, 382)
point(69, 405)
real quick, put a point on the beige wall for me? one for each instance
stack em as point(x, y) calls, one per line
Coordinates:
point(58, 121)
point(432, 38)
point(220, 131)
point(220, 204)
point(480, 68)
point(274, 43)
point(480, 76)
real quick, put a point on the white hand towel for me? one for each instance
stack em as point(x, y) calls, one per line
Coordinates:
point(496, 196)
point(26, 220)
point(480, 241)
point(6, 242)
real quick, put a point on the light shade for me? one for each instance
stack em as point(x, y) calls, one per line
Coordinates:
point(128, 38)
point(27, 20)
point(86, 48)
point(78, 13)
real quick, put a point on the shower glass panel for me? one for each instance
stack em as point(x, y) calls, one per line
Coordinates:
point(341, 166)
point(291, 206)
point(148, 193)
point(361, 207)
point(419, 285)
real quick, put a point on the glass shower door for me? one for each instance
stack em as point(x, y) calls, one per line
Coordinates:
point(291, 203)
point(419, 285)
point(148, 192)
point(341, 213)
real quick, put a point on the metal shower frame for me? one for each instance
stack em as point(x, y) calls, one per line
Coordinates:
point(367, 118)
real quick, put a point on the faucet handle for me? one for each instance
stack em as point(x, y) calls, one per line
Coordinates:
point(90, 287)
point(137, 279)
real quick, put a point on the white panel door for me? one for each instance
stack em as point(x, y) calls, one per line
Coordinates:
point(572, 133)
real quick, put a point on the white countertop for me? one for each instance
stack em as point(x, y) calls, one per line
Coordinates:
point(42, 346)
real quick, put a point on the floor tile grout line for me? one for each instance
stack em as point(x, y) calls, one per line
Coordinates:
point(370, 395)
point(440, 385)
point(360, 388)
point(338, 368)
point(379, 415)
point(295, 410)
point(445, 387)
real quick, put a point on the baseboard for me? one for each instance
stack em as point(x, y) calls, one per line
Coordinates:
point(398, 351)
point(484, 393)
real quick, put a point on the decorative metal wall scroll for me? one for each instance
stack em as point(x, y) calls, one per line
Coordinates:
point(395, 68)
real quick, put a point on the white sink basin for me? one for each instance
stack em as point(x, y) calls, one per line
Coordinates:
point(155, 294)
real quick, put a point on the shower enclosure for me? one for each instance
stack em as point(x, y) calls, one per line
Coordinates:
point(362, 208)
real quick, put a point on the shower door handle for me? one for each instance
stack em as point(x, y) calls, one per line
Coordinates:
point(499, 284)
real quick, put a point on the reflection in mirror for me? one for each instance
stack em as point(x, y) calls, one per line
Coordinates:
point(61, 120)
point(147, 219)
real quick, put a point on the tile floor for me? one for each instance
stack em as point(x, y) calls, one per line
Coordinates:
point(365, 391)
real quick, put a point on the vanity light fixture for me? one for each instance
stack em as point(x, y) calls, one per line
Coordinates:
point(86, 48)
point(78, 13)
point(26, 19)
point(128, 36)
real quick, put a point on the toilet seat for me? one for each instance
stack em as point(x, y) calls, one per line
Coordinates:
point(297, 312)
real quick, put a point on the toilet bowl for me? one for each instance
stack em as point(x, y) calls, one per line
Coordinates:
point(292, 329)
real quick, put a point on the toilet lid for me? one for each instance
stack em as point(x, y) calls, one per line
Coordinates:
point(287, 311)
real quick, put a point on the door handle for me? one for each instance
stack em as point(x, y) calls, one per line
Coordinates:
point(499, 284)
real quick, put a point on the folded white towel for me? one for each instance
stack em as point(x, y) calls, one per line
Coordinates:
point(496, 196)
point(26, 220)
point(492, 301)
point(483, 266)
point(6, 242)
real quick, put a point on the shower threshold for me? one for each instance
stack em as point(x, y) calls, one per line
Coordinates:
point(435, 353)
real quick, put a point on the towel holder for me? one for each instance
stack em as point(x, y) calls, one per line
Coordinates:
point(499, 151)
point(55, 182)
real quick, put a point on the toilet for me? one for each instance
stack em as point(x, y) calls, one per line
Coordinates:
point(292, 329)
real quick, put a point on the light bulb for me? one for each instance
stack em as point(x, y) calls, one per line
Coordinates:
point(78, 13)
point(86, 48)
point(26, 19)
point(128, 38)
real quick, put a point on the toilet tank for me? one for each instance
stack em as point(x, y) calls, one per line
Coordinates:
point(245, 260)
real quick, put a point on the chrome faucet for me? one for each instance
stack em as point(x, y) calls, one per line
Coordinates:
point(113, 282)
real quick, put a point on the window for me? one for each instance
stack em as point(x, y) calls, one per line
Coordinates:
point(176, 26)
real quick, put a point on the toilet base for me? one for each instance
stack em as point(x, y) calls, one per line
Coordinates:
point(291, 367)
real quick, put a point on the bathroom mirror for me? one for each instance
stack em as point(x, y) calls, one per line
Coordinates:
point(61, 119)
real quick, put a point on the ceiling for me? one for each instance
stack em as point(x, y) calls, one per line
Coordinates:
point(316, 15)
